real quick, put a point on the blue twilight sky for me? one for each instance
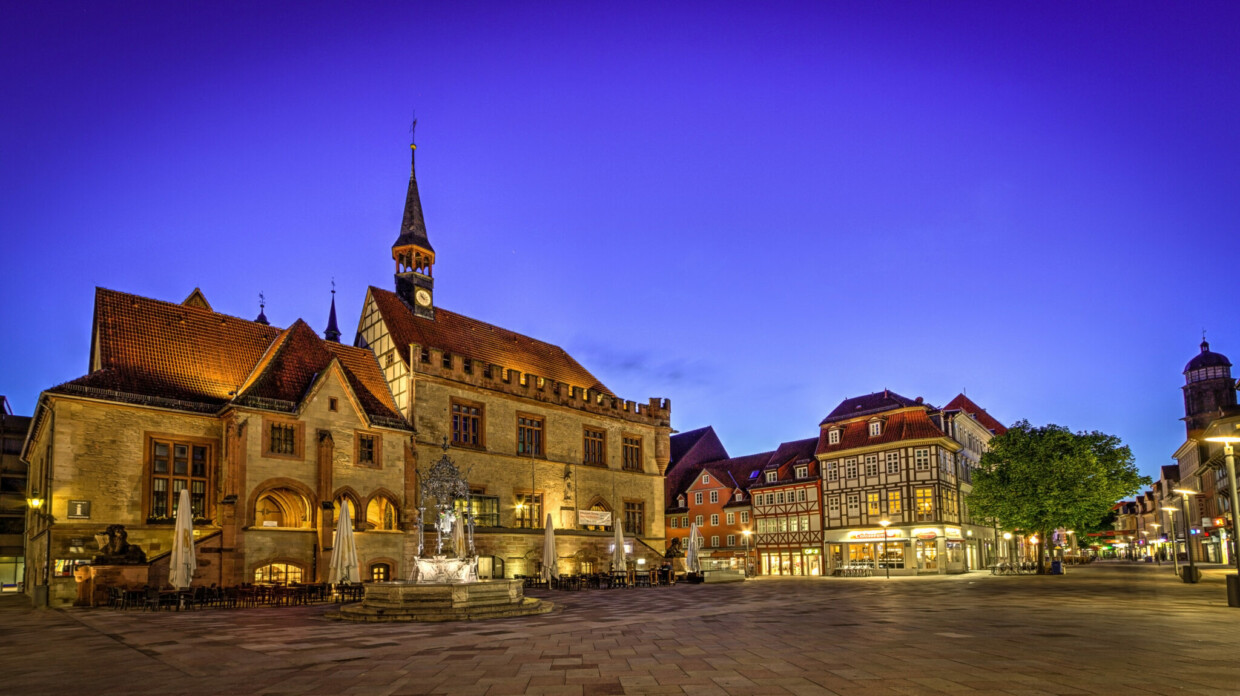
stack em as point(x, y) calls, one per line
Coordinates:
point(754, 209)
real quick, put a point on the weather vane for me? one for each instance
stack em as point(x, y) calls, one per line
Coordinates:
point(262, 301)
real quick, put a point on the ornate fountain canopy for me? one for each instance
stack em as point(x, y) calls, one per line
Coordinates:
point(444, 482)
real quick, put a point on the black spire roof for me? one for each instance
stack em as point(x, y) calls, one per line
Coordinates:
point(413, 227)
point(333, 332)
point(1206, 359)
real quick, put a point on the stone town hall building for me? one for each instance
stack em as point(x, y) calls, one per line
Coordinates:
point(274, 430)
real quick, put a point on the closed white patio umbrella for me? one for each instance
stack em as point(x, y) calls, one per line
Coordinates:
point(343, 567)
point(618, 561)
point(182, 561)
point(692, 561)
point(549, 565)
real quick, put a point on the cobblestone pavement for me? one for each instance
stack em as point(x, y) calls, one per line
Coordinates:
point(1110, 628)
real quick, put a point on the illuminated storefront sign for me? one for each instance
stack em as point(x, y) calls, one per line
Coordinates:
point(953, 532)
point(927, 532)
point(873, 534)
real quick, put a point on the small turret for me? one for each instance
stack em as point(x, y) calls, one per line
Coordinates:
point(262, 316)
point(333, 332)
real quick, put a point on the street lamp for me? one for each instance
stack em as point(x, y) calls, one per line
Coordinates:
point(1175, 552)
point(1007, 547)
point(1191, 574)
point(886, 551)
point(746, 533)
point(1227, 431)
point(1157, 543)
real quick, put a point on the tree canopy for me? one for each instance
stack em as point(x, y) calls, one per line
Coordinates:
point(1040, 479)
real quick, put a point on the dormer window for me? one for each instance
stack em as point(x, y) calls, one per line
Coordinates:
point(772, 476)
point(680, 501)
point(833, 436)
point(876, 428)
point(739, 495)
point(802, 472)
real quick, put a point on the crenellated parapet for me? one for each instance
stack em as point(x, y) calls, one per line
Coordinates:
point(430, 361)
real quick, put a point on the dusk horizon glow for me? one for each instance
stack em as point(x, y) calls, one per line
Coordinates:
point(755, 213)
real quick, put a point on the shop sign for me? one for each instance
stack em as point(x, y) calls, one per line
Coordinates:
point(953, 532)
point(926, 532)
point(867, 534)
point(594, 518)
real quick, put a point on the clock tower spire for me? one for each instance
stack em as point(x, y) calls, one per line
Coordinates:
point(412, 251)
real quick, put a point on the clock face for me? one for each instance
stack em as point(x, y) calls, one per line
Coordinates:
point(423, 298)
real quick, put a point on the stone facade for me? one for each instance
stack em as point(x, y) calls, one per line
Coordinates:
point(100, 452)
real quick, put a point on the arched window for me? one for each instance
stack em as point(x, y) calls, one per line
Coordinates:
point(281, 573)
point(381, 514)
point(599, 506)
point(282, 507)
point(339, 503)
point(380, 572)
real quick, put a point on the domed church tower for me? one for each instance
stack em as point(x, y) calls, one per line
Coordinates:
point(1208, 387)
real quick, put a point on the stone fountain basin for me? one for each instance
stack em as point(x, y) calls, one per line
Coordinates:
point(470, 601)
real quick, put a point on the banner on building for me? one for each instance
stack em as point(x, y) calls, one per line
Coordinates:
point(594, 518)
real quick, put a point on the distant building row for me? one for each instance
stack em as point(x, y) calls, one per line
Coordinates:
point(818, 506)
point(1143, 525)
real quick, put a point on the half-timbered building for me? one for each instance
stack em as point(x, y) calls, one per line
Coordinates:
point(887, 458)
point(787, 499)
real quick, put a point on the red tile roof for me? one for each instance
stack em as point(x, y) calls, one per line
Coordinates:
point(690, 450)
point(146, 349)
point(461, 335)
point(734, 471)
point(794, 451)
point(911, 424)
point(963, 403)
point(877, 402)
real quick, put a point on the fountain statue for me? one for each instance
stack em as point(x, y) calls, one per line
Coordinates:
point(445, 484)
point(443, 587)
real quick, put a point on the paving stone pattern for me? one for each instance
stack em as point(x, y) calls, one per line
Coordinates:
point(1110, 628)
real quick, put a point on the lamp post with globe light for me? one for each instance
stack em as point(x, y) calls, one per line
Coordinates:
point(1227, 431)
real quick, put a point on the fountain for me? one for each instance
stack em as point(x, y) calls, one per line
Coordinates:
point(441, 587)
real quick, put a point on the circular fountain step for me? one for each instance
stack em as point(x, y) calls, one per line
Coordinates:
point(408, 601)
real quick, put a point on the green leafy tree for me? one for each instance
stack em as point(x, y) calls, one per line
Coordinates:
point(1040, 479)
